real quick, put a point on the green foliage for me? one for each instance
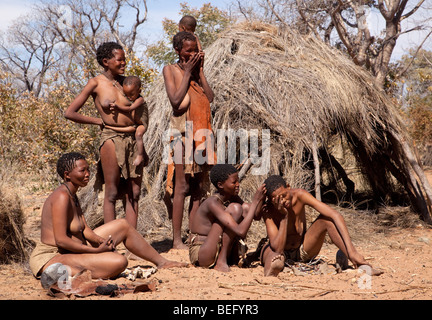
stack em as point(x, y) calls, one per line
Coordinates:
point(418, 78)
point(34, 131)
point(139, 67)
point(210, 22)
point(416, 92)
point(420, 116)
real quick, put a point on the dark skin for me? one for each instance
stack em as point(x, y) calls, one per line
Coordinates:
point(133, 93)
point(190, 29)
point(177, 81)
point(212, 220)
point(285, 220)
point(191, 61)
point(63, 225)
point(104, 94)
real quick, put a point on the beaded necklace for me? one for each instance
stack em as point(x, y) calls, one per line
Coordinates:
point(74, 196)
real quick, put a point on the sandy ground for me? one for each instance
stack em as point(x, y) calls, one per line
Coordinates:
point(405, 256)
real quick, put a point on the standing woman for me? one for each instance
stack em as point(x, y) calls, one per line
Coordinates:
point(67, 239)
point(118, 148)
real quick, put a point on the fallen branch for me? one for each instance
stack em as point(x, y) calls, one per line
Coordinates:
point(230, 287)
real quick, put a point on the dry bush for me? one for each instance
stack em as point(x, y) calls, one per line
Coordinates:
point(420, 126)
point(34, 133)
point(14, 247)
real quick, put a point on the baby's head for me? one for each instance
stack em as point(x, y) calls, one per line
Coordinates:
point(132, 87)
point(187, 23)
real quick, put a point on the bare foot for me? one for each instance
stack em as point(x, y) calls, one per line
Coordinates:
point(223, 267)
point(172, 264)
point(179, 245)
point(276, 265)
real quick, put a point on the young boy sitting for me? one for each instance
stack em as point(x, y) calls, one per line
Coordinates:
point(220, 219)
point(132, 91)
point(287, 238)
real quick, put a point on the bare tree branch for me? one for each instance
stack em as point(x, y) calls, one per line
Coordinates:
point(305, 19)
point(406, 68)
point(414, 10)
point(138, 20)
point(275, 13)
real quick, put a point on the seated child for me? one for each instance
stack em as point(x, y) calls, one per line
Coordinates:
point(132, 91)
point(287, 237)
point(220, 219)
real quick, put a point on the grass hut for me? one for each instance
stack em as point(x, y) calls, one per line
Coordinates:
point(333, 132)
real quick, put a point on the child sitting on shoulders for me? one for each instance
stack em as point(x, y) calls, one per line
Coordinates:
point(188, 24)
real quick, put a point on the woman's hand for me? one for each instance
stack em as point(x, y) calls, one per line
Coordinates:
point(202, 55)
point(107, 245)
point(192, 63)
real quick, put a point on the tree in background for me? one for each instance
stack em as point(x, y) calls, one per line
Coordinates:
point(417, 78)
point(415, 94)
point(210, 22)
point(58, 41)
point(343, 23)
point(45, 58)
point(28, 52)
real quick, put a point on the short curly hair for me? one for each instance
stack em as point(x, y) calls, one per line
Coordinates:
point(220, 173)
point(181, 37)
point(105, 51)
point(189, 22)
point(132, 80)
point(66, 162)
point(273, 183)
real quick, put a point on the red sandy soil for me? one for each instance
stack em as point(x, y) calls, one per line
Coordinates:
point(405, 256)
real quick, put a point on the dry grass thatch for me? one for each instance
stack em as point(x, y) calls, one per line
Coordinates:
point(13, 244)
point(307, 94)
point(297, 87)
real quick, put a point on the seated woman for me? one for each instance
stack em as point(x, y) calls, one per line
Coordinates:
point(67, 239)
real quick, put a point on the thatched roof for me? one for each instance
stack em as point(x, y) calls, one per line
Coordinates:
point(306, 93)
point(296, 86)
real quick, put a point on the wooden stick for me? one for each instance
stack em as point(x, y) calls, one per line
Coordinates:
point(317, 169)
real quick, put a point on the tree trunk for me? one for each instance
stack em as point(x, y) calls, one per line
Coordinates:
point(426, 208)
point(317, 169)
point(380, 65)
